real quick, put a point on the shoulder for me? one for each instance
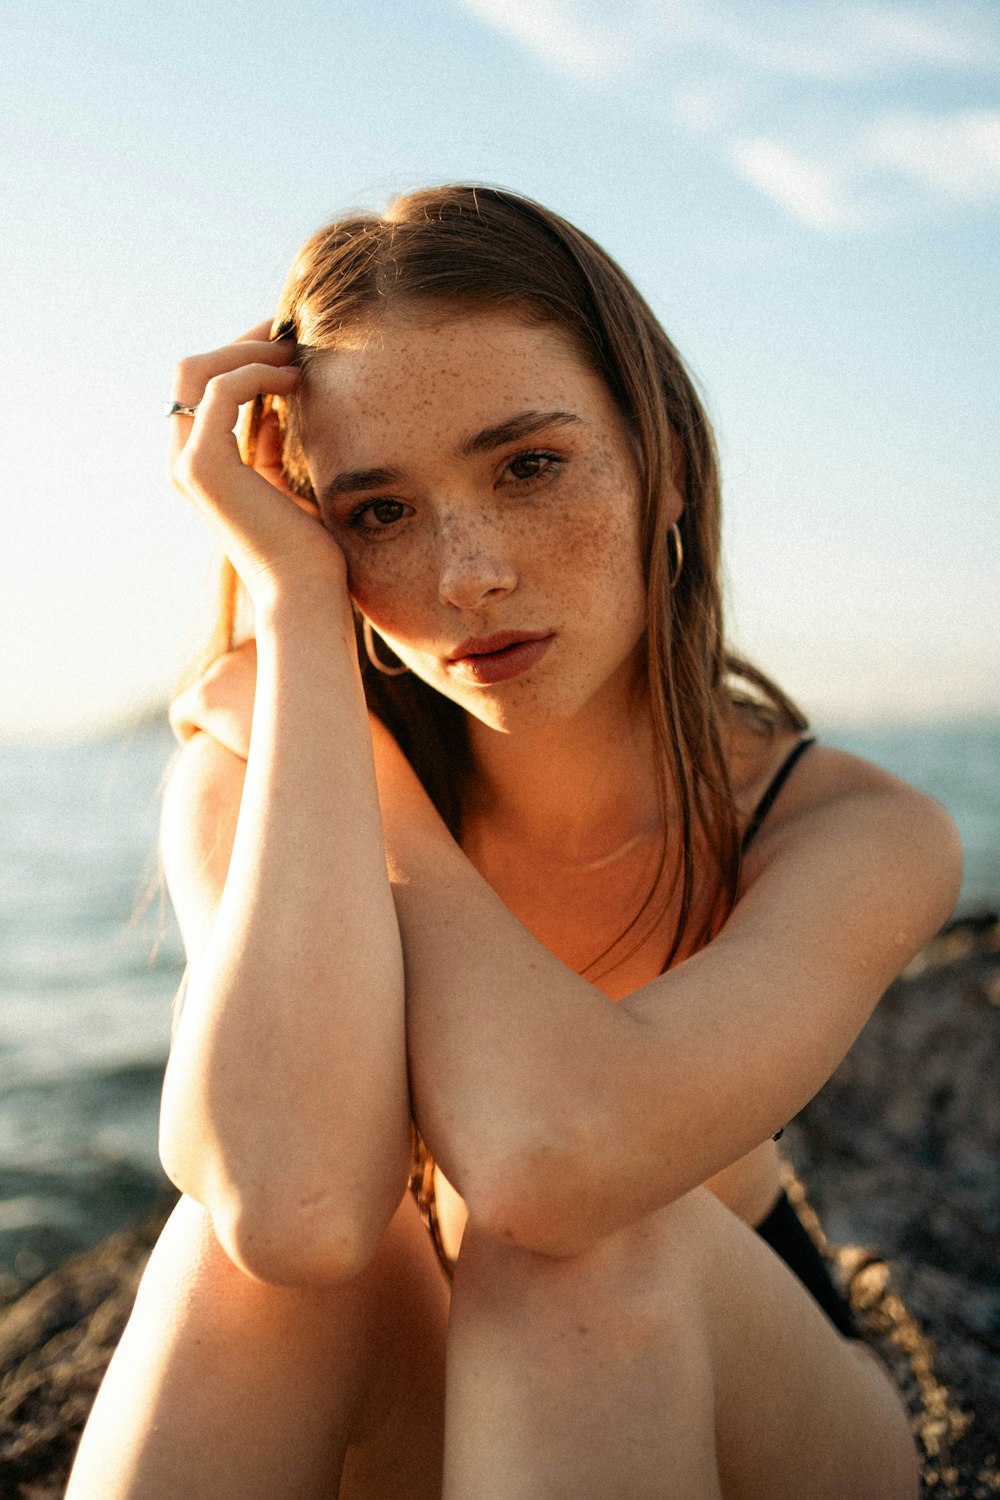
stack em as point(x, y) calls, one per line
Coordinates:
point(202, 796)
point(201, 802)
point(855, 847)
point(834, 786)
point(220, 702)
point(822, 780)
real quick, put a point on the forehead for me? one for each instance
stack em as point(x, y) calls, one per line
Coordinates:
point(455, 371)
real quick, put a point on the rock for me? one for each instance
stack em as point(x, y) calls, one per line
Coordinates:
point(55, 1343)
point(901, 1154)
point(896, 1158)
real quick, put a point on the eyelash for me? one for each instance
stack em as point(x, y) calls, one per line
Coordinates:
point(551, 461)
point(356, 519)
point(551, 464)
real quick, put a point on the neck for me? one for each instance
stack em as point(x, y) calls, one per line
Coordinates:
point(580, 793)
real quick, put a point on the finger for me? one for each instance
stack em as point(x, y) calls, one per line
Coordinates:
point(211, 430)
point(191, 375)
point(260, 378)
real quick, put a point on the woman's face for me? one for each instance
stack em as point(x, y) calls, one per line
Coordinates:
point(486, 494)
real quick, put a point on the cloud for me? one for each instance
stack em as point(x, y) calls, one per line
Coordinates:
point(899, 166)
point(958, 154)
point(957, 37)
point(826, 40)
point(848, 42)
point(811, 191)
point(570, 36)
point(774, 88)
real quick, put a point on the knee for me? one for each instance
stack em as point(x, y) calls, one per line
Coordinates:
point(636, 1285)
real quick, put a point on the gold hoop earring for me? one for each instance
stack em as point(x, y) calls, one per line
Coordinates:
point(368, 636)
point(678, 563)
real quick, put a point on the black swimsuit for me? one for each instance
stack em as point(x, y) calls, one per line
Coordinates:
point(781, 1228)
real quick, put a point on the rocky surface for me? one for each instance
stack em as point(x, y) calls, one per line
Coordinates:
point(900, 1160)
point(900, 1153)
point(55, 1343)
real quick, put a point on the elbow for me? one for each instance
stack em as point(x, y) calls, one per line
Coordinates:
point(296, 1252)
point(560, 1195)
point(519, 1228)
point(539, 1228)
point(317, 1240)
point(317, 1243)
point(539, 1202)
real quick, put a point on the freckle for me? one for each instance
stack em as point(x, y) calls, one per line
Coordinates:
point(583, 1329)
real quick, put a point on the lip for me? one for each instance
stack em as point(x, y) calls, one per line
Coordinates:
point(498, 658)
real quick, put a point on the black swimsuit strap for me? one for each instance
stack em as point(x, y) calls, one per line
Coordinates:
point(777, 781)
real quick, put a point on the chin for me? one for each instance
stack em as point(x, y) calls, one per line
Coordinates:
point(521, 712)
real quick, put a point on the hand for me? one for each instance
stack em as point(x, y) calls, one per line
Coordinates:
point(273, 537)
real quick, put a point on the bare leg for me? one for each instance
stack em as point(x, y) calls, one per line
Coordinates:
point(225, 1387)
point(680, 1358)
point(576, 1378)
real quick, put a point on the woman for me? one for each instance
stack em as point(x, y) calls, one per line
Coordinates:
point(571, 886)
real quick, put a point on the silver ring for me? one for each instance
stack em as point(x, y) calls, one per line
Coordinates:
point(178, 409)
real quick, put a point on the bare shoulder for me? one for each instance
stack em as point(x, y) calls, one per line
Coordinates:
point(854, 849)
point(843, 788)
point(202, 798)
point(220, 702)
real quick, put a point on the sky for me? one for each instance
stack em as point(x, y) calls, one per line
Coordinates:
point(808, 195)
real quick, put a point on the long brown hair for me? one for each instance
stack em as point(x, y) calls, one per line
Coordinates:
point(475, 247)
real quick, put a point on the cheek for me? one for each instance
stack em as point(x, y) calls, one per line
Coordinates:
point(594, 546)
point(386, 582)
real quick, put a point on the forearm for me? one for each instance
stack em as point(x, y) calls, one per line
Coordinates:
point(285, 1100)
point(523, 1074)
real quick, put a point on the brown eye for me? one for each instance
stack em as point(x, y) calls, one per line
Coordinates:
point(386, 511)
point(526, 467)
point(378, 515)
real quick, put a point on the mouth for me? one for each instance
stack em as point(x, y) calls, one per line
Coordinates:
point(497, 658)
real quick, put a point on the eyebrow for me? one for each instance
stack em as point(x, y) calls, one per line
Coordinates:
point(523, 425)
point(359, 479)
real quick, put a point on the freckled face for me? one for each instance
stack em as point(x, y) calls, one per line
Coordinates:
point(486, 494)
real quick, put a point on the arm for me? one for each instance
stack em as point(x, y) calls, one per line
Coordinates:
point(285, 1105)
point(561, 1116)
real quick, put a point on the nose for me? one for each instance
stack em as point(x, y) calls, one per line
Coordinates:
point(475, 563)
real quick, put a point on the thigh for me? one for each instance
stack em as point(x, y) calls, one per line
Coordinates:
point(587, 1376)
point(800, 1410)
point(683, 1355)
point(223, 1385)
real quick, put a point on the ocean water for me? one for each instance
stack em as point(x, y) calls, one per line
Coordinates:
point(90, 959)
point(85, 992)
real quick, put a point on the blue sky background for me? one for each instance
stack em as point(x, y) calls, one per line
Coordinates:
point(808, 194)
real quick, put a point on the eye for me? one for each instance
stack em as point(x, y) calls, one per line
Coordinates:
point(526, 468)
point(377, 515)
